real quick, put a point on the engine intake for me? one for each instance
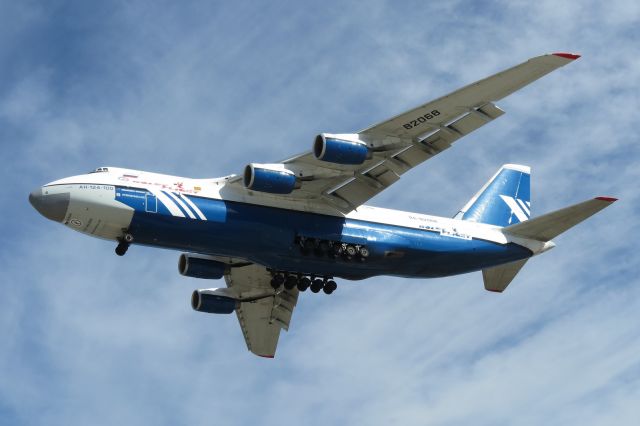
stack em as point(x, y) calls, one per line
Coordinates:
point(271, 178)
point(210, 302)
point(339, 151)
point(200, 267)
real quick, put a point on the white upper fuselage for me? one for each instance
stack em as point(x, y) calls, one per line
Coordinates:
point(94, 193)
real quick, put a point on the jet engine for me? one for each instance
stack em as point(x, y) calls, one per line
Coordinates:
point(213, 301)
point(334, 150)
point(271, 178)
point(195, 266)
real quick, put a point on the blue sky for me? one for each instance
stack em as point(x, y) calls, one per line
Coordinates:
point(201, 89)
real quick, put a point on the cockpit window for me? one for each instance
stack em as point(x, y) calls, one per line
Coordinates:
point(100, 170)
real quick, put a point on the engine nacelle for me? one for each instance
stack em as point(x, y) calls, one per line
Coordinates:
point(195, 266)
point(213, 301)
point(334, 150)
point(271, 178)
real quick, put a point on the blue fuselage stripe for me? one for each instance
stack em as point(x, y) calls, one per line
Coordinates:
point(267, 235)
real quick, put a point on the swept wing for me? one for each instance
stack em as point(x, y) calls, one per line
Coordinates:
point(408, 139)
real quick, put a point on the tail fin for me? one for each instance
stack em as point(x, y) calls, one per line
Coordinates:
point(504, 200)
point(550, 225)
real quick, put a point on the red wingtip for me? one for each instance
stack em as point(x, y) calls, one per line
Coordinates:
point(567, 55)
point(265, 356)
point(607, 199)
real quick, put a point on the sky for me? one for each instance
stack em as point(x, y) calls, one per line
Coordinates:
point(200, 89)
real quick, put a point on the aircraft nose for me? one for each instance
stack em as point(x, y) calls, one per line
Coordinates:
point(51, 206)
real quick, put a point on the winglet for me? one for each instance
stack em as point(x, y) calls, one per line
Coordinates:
point(607, 199)
point(571, 56)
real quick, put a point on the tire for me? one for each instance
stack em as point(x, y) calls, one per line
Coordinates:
point(121, 249)
point(275, 284)
point(317, 285)
point(290, 282)
point(330, 287)
point(303, 284)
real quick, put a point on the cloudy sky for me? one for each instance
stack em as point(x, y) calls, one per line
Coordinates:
point(202, 88)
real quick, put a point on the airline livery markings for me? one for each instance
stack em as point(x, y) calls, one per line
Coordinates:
point(422, 119)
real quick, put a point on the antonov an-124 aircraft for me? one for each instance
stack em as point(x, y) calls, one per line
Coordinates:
point(279, 229)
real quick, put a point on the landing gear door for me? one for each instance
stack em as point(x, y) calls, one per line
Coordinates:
point(355, 235)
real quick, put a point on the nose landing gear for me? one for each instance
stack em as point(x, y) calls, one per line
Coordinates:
point(123, 244)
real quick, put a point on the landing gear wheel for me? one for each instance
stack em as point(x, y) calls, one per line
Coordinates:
point(303, 283)
point(122, 248)
point(351, 250)
point(275, 284)
point(128, 238)
point(290, 282)
point(278, 279)
point(364, 252)
point(317, 285)
point(330, 287)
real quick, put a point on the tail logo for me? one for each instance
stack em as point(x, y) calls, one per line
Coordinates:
point(519, 208)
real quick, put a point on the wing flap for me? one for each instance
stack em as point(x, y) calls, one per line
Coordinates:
point(355, 192)
point(261, 320)
point(383, 174)
point(367, 184)
point(462, 126)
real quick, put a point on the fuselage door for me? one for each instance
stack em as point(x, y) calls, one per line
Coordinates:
point(151, 203)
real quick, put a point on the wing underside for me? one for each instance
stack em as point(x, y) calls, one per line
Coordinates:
point(261, 320)
point(401, 143)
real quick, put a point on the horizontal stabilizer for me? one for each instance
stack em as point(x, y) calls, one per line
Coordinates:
point(498, 278)
point(550, 225)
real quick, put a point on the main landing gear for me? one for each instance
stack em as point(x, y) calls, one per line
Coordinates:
point(123, 244)
point(333, 249)
point(302, 282)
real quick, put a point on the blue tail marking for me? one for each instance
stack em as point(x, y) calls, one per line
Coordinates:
point(504, 200)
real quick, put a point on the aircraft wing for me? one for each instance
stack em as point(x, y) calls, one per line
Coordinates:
point(261, 320)
point(406, 140)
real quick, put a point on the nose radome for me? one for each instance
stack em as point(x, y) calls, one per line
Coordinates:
point(51, 206)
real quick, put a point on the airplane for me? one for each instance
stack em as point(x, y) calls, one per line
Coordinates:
point(278, 229)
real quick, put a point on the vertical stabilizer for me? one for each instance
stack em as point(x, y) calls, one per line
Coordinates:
point(504, 200)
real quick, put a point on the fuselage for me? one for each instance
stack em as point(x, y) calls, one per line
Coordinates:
point(205, 216)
